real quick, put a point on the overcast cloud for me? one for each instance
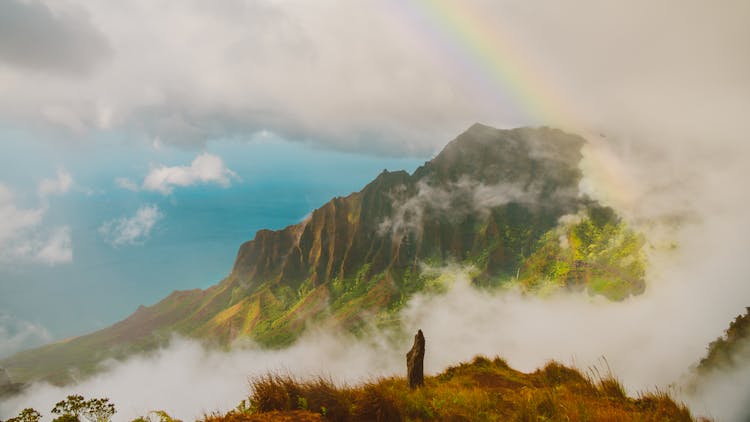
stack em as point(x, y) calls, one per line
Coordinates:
point(58, 40)
point(382, 76)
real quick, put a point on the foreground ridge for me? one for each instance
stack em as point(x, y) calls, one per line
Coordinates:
point(484, 389)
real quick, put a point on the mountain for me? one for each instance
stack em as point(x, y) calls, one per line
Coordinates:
point(503, 203)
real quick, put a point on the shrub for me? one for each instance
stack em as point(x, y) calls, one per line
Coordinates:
point(74, 406)
point(69, 409)
point(98, 410)
point(27, 415)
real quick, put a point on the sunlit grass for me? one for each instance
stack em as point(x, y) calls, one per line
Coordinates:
point(484, 389)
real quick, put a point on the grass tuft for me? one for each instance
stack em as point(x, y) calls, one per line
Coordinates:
point(660, 404)
point(554, 374)
point(376, 403)
point(611, 387)
point(284, 393)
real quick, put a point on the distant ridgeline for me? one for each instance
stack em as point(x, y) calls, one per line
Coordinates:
point(730, 350)
point(503, 203)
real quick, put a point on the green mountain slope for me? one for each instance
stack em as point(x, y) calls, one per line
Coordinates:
point(730, 350)
point(492, 199)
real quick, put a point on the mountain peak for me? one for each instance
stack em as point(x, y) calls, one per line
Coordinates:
point(524, 156)
point(478, 127)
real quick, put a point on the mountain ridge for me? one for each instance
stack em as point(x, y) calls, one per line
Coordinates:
point(491, 199)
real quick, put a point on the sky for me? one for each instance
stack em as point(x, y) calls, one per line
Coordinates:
point(142, 142)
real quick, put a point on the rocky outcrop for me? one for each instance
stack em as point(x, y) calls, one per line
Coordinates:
point(415, 362)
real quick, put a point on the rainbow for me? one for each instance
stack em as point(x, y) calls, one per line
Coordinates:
point(489, 56)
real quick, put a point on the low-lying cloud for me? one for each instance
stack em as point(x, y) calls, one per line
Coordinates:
point(453, 201)
point(646, 341)
point(132, 230)
point(651, 340)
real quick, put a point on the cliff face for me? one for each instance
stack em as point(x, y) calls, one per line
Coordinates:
point(491, 199)
point(483, 184)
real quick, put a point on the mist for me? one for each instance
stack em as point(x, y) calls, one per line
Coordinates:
point(455, 202)
point(648, 341)
point(692, 199)
point(660, 91)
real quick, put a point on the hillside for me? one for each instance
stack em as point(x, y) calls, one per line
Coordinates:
point(503, 202)
point(486, 390)
point(731, 349)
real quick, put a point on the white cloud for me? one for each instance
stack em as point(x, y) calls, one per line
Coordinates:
point(641, 339)
point(132, 230)
point(57, 248)
point(57, 186)
point(14, 220)
point(205, 168)
point(127, 184)
point(454, 201)
point(22, 235)
point(17, 334)
point(667, 83)
point(199, 71)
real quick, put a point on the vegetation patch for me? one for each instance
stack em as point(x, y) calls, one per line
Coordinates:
point(484, 389)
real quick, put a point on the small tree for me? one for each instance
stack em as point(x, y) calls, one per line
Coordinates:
point(99, 410)
point(159, 415)
point(94, 410)
point(70, 409)
point(26, 415)
point(163, 416)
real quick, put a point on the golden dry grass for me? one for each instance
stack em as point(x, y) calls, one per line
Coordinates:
point(482, 390)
